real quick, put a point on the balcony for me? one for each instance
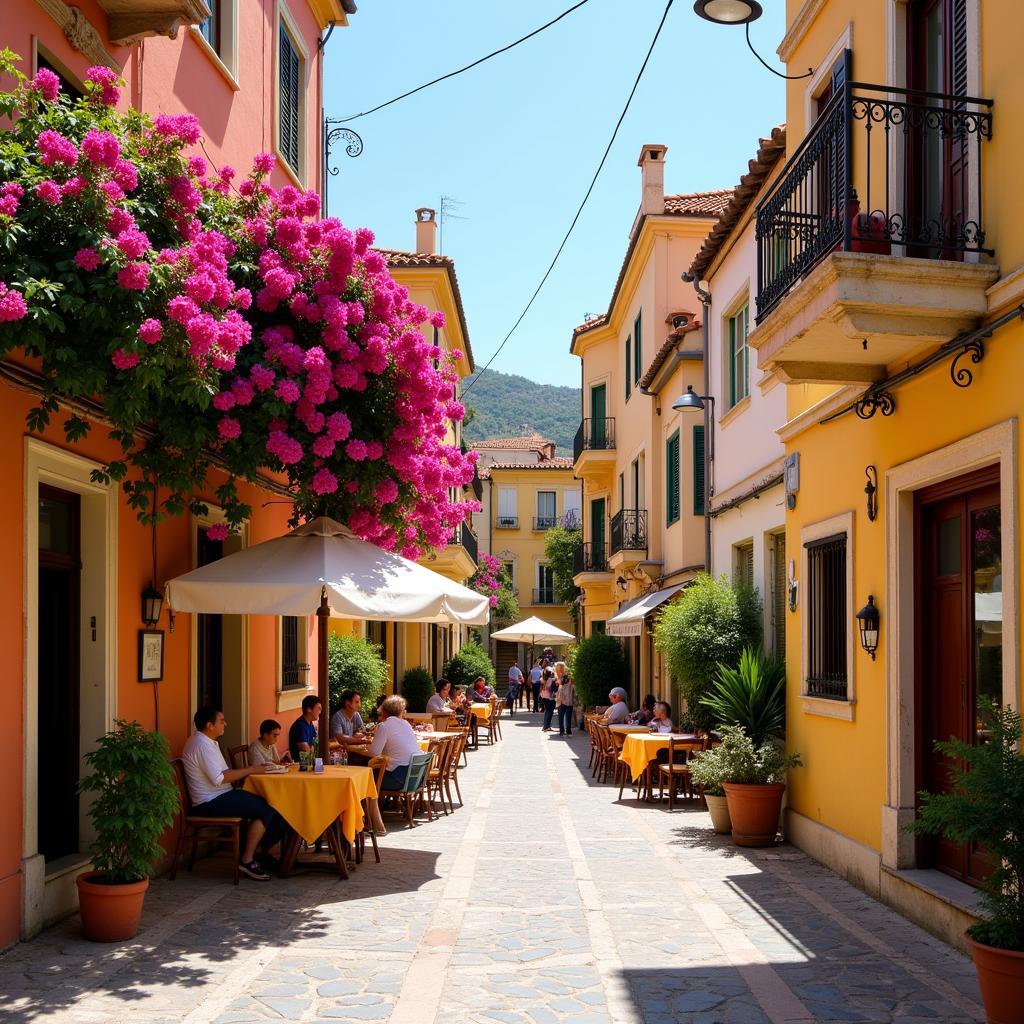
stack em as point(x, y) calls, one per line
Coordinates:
point(506, 522)
point(590, 558)
point(546, 596)
point(458, 561)
point(629, 531)
point(870, 241)
point(476, 484)
point(465, 536)
point(594, 445)
point(130, 21)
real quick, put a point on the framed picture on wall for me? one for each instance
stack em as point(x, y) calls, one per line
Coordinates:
point(151, 655)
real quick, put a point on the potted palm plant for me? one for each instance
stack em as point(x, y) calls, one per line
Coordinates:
point(135, 802)
point(752, 696)
point(985, 806)
point(709, 769)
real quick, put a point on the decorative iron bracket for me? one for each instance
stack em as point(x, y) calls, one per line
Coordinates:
point(871, 402)
point(353, 142)
point(962, 376)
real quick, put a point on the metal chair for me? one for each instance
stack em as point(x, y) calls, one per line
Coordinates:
point(413, 791)
point(193, 827)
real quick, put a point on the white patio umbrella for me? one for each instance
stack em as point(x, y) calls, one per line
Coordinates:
point(323, 568)
point(532, 631)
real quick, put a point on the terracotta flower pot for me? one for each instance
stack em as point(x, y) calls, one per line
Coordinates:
point(1001, 979)
point(110, 913)
point(754, 810)
point(718, 808)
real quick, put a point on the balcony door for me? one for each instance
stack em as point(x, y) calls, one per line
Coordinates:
point(598, 415)
point(597, 533)
point(937, 164)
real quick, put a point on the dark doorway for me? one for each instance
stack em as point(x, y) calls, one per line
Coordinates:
point(959, 635)
point(60, 572)
point(209, 636)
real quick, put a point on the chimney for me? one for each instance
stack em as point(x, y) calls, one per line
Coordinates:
point(652, 170)
point(426, 230)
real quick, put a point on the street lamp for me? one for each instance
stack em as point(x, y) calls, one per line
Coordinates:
point(728, 12)
point(692, 402)
point(152, 605)
point(867, 620)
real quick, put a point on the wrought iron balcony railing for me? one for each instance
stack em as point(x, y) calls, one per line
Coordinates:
point(590, 557)
point(883, 170)
point(465, 536)
point(594, 435)
point(506, 523)
point(545, 523)
point(544, 596)
point(629, 530)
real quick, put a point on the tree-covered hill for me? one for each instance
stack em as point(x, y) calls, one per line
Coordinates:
point(506, 405)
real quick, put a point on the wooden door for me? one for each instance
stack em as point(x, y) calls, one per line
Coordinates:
point(959, 627)
point(598, 414)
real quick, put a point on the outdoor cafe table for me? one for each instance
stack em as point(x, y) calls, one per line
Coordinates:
point(641, 749)
point(480, 712)
point(426, 739)
point(314, 802)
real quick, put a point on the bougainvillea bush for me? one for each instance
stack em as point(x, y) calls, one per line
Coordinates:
point(219, 325)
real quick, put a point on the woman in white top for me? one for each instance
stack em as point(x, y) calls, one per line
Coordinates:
point(394, 739)
point(264, 750)
point(438, 703)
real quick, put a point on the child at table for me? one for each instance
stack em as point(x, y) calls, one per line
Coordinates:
point(264, 750)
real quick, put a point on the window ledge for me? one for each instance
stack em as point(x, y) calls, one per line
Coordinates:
point(215, 58)
point(741, 406)
point(826, 708)
point(290, 171)
point(290, 700)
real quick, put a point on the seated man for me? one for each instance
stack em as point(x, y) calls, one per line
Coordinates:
point(439, 702)
point(209, 786)
point(481, 692)
point(618, 713)
point(394, 739)
point(302, 734)
point(662, 720)
point(346, 722)
point(264, 750)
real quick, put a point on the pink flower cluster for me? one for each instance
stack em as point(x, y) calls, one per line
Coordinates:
point(487, 578)
point(12, 304)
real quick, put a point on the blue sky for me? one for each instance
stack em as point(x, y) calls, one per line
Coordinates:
point(517, 140)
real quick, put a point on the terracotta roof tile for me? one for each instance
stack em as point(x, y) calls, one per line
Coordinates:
point(398, 258)
point(556, 463)
point(526, 444)
point(770, 151)
point(669, 346)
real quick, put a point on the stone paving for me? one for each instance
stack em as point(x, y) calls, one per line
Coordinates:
point(543, 901)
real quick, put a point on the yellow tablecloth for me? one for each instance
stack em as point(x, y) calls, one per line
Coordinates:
point(640, 749)
point(480, 710)
point(425, 739)
point(310, 801)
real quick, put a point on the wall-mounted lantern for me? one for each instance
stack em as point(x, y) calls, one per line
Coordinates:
point(867, 621)
point(152, 605)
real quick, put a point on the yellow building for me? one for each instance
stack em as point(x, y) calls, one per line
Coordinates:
point(430, 278)
point(527, 490)
point(889, 294)
point(641, 462)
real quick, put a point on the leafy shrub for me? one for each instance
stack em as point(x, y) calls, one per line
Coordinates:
point(596, 665)
point(752, 696)
point(710, 625)
point(355, 664)
point(984, 806)
point(470, 662)
point(737, 759)
point(417, 688)
point(136, 800)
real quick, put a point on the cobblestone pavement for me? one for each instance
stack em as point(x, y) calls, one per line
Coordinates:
point(542, 901)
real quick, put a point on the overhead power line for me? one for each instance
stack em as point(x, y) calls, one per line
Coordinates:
point(590, 189)
point(468, 67)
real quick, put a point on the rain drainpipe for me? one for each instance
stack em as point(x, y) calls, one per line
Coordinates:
point(709, 426)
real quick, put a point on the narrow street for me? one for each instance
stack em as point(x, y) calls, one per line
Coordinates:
point(541, 901)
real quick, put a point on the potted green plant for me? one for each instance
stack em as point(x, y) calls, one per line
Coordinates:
point(752, 695)
point(985, 806)
point(135, 801)
point(754, 781)
point(709, 769)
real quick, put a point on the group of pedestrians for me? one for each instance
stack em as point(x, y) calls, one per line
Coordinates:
point(549, 689)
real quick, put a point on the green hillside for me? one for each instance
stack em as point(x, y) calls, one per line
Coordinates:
point(506, 405)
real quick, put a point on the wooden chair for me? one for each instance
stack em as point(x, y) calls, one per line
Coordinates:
point(676, 771)
point(441, 722)
point(414, 791)
point(459, 744)
point(378, 765)
point(466, 728)
point(194, 827)
point(588, 723)
point(494, 722)
point(438, 774)
point(606, 755)
point(239, 756)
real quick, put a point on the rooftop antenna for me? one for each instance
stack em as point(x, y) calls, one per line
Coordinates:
point(449, 207)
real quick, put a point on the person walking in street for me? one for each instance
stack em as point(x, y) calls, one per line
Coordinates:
point(548, 693)
point(565, 700)
point(535, 677)
point(515, 681)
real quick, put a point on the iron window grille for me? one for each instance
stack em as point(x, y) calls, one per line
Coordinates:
point(827, 618)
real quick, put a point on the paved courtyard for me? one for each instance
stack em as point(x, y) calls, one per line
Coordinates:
point(542, 901)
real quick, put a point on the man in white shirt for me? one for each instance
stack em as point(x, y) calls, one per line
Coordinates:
point(618, 713)
point(535, 677)
point(515, 680)
point(209, 786)
point(394, 739)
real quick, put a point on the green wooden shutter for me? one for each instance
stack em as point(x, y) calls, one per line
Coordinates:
point(698, 471)
point(629, 367)
point(637, 348)
point(288, 100)
point(672, 479)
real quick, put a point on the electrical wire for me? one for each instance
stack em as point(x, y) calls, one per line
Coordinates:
point(788, 78)
point(468, 67)
point(590, 189)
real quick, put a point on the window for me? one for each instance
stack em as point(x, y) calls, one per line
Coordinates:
point(629, 367)
point(210, 29)
point(698, 470)
point(545, 585)
point(572, 502)
point(779, 589)
point(66, 85)
point(672, 479)
point(293, 653)
point(289, 100)
point(546, 516)
point(509, 569)
point(826, 666)
point(508, 513)
point(637, 348)
point(743, 564)
point(739, 359)
point(597, 626)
